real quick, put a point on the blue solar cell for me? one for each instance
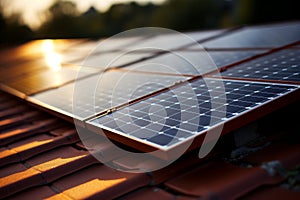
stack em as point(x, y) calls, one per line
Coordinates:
point(162, 139)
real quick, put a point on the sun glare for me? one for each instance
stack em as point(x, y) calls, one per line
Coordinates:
point(52, 58)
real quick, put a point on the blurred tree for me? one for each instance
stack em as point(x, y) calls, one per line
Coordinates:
point(187, 14)
point(61, 21)
point(12, 28)
point(257, 11)
point(63, 8)
point(65, 21)
point(277, 10)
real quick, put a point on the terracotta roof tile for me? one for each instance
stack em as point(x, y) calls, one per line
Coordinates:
point(15, 120)
point(5, 104)
point(278, 192)
point(100, 182)
point(13, 110)
point(29, 147)
point(19, 181)
point(220, 180)
point(149, 193)
point(34, 193)
point(155, 193)
point(189, 161)
point(11, 169)
point(287, 154)
point(23, 131)
point(45, 168)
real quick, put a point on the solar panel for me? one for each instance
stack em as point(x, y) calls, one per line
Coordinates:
point(280, 66)
point(191, 62)
point(165, 39)
point(168, 119)
point(101, 92)
point(41, 80)
point(259, 36)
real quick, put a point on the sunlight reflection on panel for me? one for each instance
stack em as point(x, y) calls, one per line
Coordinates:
point(52, 58)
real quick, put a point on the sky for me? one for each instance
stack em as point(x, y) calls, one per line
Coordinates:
point(33, 11)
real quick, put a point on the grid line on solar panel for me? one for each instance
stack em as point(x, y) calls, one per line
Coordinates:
point(162, 121)
point(283, 65)
point(97, 93)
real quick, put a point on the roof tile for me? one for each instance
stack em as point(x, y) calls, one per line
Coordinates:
point(149, 193)
point(41, 192)
point(35, 145)
point(13, 110)
point(15, 120)
point(5, 104)
point(274, 193)
point(45, 168)
point(11, 169)
point(154, 193)
point(100, 182)
point(19, 181)
point(222, 180)
point(22, 131)
point(287, 154)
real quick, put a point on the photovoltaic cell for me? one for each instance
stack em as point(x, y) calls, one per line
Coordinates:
point(283, 65)
point(169, 118)
point(101, 92)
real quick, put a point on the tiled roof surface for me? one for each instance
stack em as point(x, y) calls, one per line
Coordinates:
point(42, 157)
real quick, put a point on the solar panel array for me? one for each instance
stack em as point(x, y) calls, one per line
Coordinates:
point(163, 90)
